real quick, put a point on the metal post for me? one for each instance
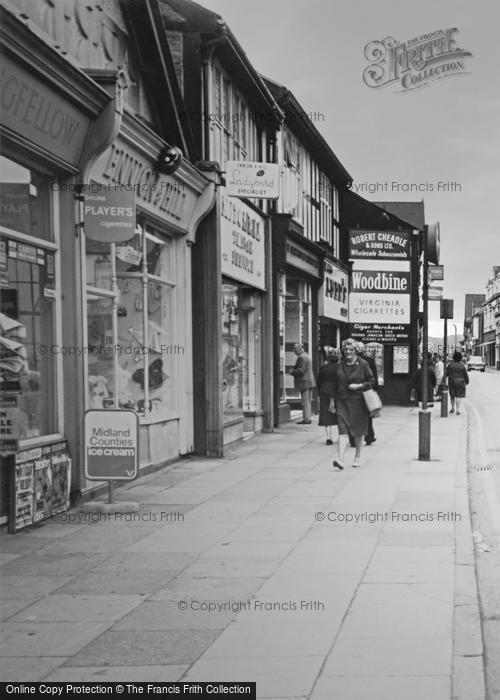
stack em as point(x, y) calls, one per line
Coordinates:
point(424, 417)
point(444, 388)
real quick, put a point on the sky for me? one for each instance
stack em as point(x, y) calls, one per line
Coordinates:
point(447, 132)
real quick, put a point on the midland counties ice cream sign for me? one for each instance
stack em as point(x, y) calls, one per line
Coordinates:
point(111, 444)
point(414, 63)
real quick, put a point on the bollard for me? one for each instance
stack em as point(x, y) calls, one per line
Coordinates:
point(444, 403)
point(424, 435)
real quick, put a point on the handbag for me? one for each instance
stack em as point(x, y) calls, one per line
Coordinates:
point(373, 402)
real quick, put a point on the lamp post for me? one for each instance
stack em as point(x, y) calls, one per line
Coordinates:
point(455, 327)
point(446, 313)
point(424, 416)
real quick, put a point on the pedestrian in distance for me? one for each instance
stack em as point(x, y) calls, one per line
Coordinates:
point(303, 381)
point(365, 355)
point(418, 382)
point(325, 383)
point(439, 372)
point(353, 377)
point(458, 379)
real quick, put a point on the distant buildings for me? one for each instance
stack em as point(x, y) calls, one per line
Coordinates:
point(482, 321)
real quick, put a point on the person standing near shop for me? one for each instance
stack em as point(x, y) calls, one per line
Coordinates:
point(439, 372)
point(325, 383)
point(353, 377)
point(458, 379)
point(303, 381)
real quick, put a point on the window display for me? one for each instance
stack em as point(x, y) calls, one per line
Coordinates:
point(232, 403)
point(129, 317)
point(28, 348)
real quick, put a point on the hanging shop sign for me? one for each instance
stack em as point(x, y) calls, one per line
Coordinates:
point(435, 293)
point(333, 296)
point(436, 272)
point(433, 243)
point(111, 444)
point(108, 214)
point(242, 242)
point(246, 179)
point(387, 334)
point(389, 245)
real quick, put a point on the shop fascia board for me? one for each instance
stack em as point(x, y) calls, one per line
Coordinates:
point(29, 45)
point(150, 145)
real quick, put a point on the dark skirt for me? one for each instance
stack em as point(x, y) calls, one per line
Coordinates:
point(456, 388)
point(352, 416)
point(326, 417)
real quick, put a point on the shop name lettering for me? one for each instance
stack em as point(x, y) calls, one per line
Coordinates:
point(23, 102)
point(168, 196)
point(335, 290)
point(380, 241)
point(380, 281)
point(248, 230)
point(414, 63)
point(109, 442)
point(296, 252)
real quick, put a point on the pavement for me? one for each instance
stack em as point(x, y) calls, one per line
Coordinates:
point(267, 565)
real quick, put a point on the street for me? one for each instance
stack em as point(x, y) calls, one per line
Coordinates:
point(484, 475)
point(266, 566)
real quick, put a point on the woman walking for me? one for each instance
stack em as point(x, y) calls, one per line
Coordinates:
point(325, 383)
point(353, 377)
point(457, 381)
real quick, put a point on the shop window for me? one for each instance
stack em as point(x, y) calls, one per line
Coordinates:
point(129, 325)
point(28, 343)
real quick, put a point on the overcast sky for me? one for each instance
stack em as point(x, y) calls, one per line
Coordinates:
point(448, 132)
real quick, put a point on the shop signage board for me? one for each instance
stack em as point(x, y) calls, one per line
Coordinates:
point(401, 359)
point(111, 449)
point(382, 245)
point(248, 179)
point(379, 308)
point(242, 242)
point(108, 213)
point(9, 423)
point(435, 293)
point(385, 333)
point(333, 296)
point(301, 258)
point(436, 272)
point(40, 487)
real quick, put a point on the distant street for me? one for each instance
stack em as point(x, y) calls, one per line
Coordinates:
point(484, 478)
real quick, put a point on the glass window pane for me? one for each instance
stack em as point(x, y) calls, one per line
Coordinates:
point(232, 403)
point(27, 342)
point(25, 197)
point(101, 384)
point(98, 264)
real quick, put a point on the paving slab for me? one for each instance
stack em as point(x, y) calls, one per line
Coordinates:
point(78, 608)
point(121, 674)
point(146, 648)
point(382, 688)
point(19, 669)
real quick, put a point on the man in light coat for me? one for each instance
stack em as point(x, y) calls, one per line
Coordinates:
point(303, 381)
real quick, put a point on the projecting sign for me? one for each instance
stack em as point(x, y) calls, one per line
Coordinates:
point(389, 245)
point(435, 293)
point(244, 179)
point(111, 444)
point(436, 272)
point(108, 214)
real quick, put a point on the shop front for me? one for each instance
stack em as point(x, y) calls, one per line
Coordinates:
point(50, 113)
point(297, 275)
point(137, 293)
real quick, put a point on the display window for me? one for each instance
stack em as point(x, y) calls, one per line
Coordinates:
point(130, 302)
point(241, 350)
point(295, 319)
point(29, 349)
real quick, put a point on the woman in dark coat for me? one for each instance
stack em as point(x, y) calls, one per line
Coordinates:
point(457, 381)
point(325, 383)
point(353, 377)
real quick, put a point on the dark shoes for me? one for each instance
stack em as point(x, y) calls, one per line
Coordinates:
point(304, 422)
point(337, 464)
point(369, 442)
point(329, 442)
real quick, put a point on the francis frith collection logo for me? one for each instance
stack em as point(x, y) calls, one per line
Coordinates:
point(414, 63)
